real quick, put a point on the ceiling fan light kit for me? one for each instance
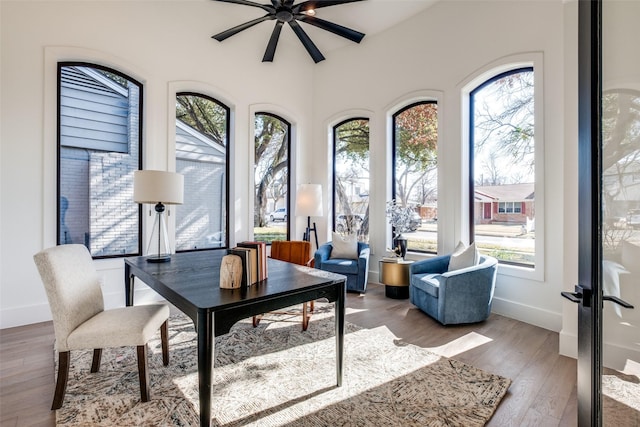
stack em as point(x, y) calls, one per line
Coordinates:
point(285, 12)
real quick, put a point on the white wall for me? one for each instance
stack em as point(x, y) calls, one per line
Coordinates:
point(167, 46)
point(440, 51)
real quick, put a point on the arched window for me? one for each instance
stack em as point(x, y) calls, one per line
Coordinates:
point(351, 177)
point(202, 156)
point(271, 177)
point(99, 146)
point(415, 172)
point(502, 167)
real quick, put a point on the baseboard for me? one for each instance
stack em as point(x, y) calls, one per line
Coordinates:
point(373, 277)
point(614, 355)
point(525, 313)
point(25, 315)
point(533, 315)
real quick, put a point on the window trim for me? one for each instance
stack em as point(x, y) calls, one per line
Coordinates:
point(60, 65)
point(289, 168)
point(334, 128)
point(227, 165)
point(535, 60)
point(393, 154)
point(472, 93)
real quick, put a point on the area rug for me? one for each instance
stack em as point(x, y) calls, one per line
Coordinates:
point(277, 375)
point(621, 400)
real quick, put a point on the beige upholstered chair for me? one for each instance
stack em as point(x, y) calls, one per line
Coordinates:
point(81, 322)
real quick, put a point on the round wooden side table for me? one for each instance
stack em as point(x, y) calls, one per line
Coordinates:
point(395, 276)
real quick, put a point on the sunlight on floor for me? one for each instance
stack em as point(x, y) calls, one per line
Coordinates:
point(460, 345)
point(632, 367)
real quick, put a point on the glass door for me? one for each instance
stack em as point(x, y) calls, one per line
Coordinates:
point(620, 200)
point(609, 198)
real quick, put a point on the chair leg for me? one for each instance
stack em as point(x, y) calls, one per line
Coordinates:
point(61, 381)
point(164, 335)
point(305, 317)
point(97, 356)
point(311, 305)
point(143, 373)
point(256, 320)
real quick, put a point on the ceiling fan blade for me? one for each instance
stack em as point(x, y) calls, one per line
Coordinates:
point(265, 7)
point(347, 33)
point(317, 4)
point(306, 42)
point(235, 30)
point(273, 43)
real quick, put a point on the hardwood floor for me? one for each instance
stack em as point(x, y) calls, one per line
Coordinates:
point(542, 393)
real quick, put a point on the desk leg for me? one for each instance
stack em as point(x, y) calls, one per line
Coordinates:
point(339, 315)
point(129, 280)
point(206, 342)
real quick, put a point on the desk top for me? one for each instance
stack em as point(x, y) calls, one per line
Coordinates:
point(192, 279)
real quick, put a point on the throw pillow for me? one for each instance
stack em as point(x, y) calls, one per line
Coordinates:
point(344, 246)
point(463, 257)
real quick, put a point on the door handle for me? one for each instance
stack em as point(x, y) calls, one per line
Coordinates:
point(572, 296)
point(617, 301)
point(579, 295)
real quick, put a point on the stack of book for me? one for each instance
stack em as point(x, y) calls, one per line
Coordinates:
point(392, 259)
point(254, 261)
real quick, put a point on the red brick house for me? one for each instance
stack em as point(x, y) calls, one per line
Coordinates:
point(511, 203)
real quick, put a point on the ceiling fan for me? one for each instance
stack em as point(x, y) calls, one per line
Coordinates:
point(284, 11)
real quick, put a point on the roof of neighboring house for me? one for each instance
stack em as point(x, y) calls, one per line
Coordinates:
point(193, 145)
point(505, 193)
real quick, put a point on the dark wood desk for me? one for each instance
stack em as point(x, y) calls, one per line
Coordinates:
point(190, 281)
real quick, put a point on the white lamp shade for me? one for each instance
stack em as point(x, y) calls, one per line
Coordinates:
point(309, 200)
point(151, 186)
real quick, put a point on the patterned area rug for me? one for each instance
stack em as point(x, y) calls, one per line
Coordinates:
point(621, 400)
point(277, 375)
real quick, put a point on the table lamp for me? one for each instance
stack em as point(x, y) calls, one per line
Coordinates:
point(309, 203)
point(160, 188)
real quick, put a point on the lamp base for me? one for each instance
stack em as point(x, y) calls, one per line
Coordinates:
point(159, 258)
point(158, 250)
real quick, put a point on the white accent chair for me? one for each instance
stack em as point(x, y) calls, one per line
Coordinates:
point(81, 322)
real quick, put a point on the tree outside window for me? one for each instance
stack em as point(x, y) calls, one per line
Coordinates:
point(271, 177)
point(415, 172)
point(202, 129)
point(351, 178)
point(503, 167)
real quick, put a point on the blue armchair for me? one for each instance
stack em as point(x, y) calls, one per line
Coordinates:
point(450, 297)
point(356, 270)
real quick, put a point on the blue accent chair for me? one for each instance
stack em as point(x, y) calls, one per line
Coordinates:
point(451, 297)
point(356, 270)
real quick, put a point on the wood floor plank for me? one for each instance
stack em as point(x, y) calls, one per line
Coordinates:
point(542, 389)
point(554, 396)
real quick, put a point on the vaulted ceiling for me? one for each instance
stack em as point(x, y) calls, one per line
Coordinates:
point(369, 16)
